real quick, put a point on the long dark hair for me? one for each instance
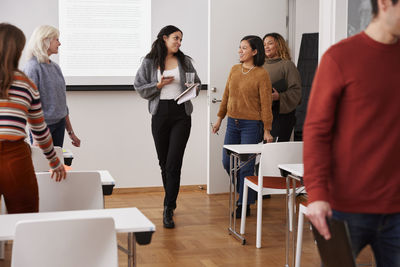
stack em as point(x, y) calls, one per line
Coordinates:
point(256, 44)
point(159, 50)
point(12, 42)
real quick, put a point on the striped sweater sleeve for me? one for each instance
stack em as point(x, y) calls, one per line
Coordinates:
point(38, 126)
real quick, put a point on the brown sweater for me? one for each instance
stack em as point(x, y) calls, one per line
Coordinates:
point(285, 69)
point(248, 96)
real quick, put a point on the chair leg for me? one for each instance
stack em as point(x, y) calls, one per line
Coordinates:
point(302, 211)
point(259, 218)
point(244, 205)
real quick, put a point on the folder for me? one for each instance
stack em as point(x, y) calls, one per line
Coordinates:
point(188, 94)
point(337, 250)
point(280, 85)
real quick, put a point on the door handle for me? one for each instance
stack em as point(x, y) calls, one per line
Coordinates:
point(214, 100)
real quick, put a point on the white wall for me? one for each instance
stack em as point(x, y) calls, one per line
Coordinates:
point(332, 23)
point(115, 131)
point(307, 21)
point(115, 126)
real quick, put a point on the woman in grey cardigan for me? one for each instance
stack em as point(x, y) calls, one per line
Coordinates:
point(160, 79)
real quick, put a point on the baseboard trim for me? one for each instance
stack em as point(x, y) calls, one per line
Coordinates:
point(129, 190)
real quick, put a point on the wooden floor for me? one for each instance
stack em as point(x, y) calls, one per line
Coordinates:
point(201, 237)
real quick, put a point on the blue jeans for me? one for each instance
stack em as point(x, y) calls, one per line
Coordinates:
point(57, 131)
point(380, 231)
point(242, 132)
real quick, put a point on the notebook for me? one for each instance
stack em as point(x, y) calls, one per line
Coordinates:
point(337, 250)
point(188, 94)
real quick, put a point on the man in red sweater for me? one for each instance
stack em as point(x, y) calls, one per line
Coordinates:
point(352, 137)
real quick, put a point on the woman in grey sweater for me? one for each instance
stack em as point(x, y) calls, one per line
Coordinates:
point(47, 76)
point(160, 79)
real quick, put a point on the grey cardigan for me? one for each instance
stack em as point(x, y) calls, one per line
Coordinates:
point(146, 83)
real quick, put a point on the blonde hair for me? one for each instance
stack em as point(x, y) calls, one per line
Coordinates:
point(281, 46)
point(40, 42)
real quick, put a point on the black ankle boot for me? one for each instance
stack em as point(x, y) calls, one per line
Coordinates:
point(239, 211)
point(167, 218)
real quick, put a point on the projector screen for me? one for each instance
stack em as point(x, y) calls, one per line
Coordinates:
point(103, 41)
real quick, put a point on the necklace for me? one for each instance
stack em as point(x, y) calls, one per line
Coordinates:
point(248, 70)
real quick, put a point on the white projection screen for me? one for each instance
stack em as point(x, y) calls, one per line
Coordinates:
point(103, 41)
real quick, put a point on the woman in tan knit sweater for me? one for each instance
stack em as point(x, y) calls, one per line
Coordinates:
point(286, 85)
point(247, 102)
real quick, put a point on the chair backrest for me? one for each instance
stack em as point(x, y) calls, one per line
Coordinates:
point(274, 154)
point(40, 163)
point(79, 191)
point(88, 242)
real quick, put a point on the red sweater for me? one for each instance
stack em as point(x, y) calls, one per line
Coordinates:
point(352, 128)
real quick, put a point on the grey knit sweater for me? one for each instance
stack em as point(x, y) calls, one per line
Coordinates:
point(146, 83)
point(51, 84)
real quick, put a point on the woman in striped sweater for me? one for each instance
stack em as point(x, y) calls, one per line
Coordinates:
point(19, 103)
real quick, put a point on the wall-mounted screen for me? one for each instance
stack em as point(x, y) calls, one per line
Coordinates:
point(103, 41)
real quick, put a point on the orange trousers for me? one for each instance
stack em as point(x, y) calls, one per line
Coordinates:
point(18, 182)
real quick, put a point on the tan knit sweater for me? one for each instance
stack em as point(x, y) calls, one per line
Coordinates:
point(248, 96)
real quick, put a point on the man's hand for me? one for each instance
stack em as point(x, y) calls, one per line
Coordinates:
point(317, 212)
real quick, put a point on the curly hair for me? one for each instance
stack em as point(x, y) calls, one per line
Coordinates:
point(281, 45)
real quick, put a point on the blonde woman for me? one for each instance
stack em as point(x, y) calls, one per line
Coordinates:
point(286, 85)
point(47, 76)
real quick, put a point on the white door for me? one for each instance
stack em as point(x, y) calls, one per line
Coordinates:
point(229, 22)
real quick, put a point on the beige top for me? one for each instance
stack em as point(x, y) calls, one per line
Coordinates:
point(248, 95)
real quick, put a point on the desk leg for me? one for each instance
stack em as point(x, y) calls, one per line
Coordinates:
point(132, 250)
point(231, 200)
point(293, 218)
point(287, 222)
point(2, 250)
point(235, 161)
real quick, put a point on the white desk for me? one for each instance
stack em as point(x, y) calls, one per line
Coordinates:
point(240, 155)
point(294, 172)
point(127, 220)
point(294, 169)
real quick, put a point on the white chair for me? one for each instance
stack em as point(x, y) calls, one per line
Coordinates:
point(86, 242)
point(40, 162)
point(302, 212)
point(79, 191)
point(269, 180)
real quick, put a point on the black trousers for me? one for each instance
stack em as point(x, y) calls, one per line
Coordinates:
point(282, 124)
point(171, 129)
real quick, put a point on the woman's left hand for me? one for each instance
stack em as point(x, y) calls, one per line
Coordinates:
point(275, 95)
point(268, 137)
point(75, 140)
